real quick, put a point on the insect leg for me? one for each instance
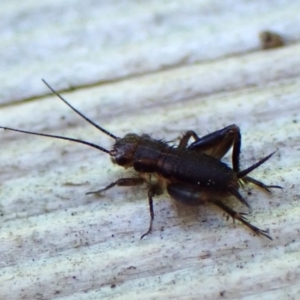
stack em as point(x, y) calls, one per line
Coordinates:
point(154, 190)
point(192, 195)
point(186, 137)
point(187, 194)
point(237, 195)
point(243, 175)
point(240, 216)
point(120, 182)
point(261, 184)
point(218, 143)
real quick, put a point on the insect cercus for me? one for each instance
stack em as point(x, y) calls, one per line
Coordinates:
point(191, 173)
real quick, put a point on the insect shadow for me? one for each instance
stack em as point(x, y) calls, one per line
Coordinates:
point(192, 174)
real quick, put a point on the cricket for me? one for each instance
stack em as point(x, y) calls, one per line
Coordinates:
point(191, 172)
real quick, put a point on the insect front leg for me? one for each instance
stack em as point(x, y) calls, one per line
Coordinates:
point(218, 143)
point(192, 195)
point(120, 182)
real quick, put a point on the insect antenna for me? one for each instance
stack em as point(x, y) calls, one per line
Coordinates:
point(78, 112)
point(58, 137)
point(67, 138)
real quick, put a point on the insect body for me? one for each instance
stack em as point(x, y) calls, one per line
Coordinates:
point(192, 174)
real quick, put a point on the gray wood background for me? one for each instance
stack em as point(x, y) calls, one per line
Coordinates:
point(157, 67)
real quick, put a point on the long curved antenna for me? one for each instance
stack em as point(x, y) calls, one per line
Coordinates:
point(79, 113)
point(59, 137)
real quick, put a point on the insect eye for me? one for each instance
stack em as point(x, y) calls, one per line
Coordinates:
point(121, 160)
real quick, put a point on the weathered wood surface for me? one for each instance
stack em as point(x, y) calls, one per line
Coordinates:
point(160, 67)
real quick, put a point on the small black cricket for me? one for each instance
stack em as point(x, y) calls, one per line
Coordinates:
point(192, 174)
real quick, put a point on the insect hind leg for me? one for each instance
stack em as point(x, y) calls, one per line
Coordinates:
point(192, 195)
point(261, 184)
point(237, 195)
point(241, 217)
point(218, 143)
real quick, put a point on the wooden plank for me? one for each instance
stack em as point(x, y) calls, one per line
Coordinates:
point(57, 242)
point(77, 43)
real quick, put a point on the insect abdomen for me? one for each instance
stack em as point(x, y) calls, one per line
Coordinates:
point(197, 169)
point(183, 165)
